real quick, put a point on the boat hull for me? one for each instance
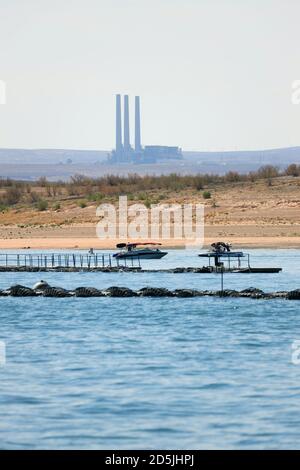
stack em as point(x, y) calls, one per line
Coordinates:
point(133, 255)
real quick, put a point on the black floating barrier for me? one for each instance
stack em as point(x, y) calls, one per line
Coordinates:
point(43, 289)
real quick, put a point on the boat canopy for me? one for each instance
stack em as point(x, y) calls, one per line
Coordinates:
point(124, 245)
point(143, 244)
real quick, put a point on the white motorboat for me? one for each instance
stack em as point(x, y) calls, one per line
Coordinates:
point(139, 250)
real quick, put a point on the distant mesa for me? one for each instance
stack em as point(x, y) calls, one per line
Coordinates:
point(124, 152)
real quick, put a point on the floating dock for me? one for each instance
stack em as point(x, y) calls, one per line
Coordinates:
point(105, 262)
point(221, 254)
point(65, 262)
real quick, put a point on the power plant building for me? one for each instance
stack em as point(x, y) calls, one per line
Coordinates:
point(124, 152)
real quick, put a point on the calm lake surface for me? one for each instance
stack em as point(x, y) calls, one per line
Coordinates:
point(152, 372)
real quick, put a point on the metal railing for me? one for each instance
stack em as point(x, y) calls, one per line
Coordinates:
point(65, 260)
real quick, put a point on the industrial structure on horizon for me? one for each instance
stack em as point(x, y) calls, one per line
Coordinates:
point(124, 152)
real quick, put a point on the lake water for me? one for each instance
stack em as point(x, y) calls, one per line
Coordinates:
point(152, 372)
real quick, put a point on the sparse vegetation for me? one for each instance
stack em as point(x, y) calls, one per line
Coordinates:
point(148, 188)
point(12, 196)
point(268, 172)
point(42, 205)
point(95, 197)
point(3, 207)
point(33, 197)
point(206, 195)
point(293, 170)
point(240, 205)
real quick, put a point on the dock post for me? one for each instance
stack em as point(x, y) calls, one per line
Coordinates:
point(222, 280)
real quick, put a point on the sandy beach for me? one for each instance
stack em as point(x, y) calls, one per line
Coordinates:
point(55, 243)
point(247, 214)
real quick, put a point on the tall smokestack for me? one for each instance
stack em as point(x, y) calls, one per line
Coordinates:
point(138, 146)
point(126, 124)
point(118, 125)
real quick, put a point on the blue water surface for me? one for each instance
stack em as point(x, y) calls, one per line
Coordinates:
point(152, 372)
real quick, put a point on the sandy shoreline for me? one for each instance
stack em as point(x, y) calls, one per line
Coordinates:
point(88, 242)
point(252, 214)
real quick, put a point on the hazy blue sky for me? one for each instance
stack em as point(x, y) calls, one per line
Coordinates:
point(212, 74)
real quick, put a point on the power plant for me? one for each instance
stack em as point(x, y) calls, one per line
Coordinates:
point(124, 152)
